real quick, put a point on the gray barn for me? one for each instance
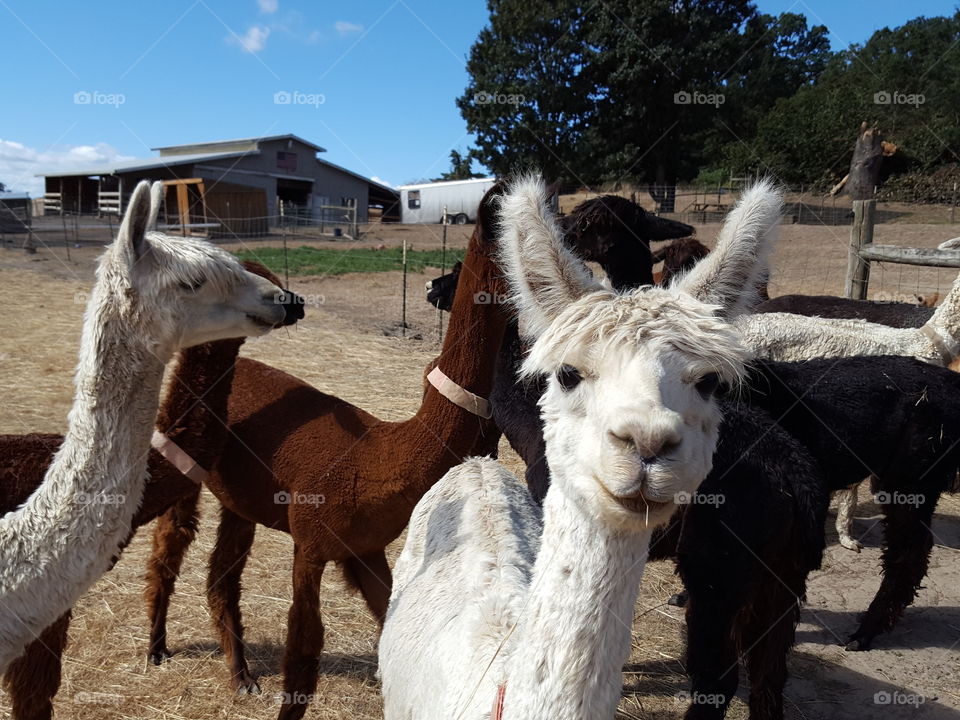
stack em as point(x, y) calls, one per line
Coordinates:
point(246, 179)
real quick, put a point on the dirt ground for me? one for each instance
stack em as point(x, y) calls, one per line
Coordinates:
point(349, 345)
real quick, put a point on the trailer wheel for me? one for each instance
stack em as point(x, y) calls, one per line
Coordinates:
point(461, 219)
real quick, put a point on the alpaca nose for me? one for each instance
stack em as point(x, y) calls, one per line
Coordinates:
point(428, 286)
point(652, 438)
point(292, 307)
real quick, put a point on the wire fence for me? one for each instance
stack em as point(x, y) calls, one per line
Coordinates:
point(811, 259)
point(804, 204)
point(72, 229)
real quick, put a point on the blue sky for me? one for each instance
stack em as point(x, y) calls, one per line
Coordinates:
point(373, 82)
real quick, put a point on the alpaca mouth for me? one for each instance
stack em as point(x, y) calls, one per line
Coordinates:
point(260, 322)
point(636, 502)
point(640, 503)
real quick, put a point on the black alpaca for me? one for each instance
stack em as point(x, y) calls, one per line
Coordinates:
point(616, 233)
point(894, 314)
point(894, 418)
point(743, 547)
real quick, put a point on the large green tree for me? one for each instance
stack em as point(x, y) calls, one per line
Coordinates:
point(642, 90)
point(906, 80)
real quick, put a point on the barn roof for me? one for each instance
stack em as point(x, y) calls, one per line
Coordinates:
point(133, 165)
point(210, 146)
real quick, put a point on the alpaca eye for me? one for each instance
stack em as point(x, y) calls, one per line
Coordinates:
point(193, 286)
point(708, 384)
point(568, 377)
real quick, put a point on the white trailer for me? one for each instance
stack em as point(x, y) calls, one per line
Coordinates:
point(424, 202)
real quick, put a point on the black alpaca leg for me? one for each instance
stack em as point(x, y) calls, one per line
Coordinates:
point(766, 637)
point(711, 655)
point(907, 541)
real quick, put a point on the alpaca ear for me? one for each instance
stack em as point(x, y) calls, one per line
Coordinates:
point(544, 275)
point(136, 221)
point(660, 228)
point(156, 203)
point(729, 276)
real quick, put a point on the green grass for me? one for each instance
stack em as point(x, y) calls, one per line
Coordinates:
point(329, 261)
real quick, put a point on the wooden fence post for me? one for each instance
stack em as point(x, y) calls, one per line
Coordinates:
point(861, 186)
point(861, 233)
point(403, 316)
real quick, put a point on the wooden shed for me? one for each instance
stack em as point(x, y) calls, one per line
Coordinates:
point(215, 209)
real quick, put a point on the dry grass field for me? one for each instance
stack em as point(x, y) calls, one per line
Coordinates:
point(347, 345)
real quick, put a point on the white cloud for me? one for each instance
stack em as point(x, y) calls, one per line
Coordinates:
point(382, 181)
point(345, 28)
point(268, 6)
point(20, 163)
point(254, 40)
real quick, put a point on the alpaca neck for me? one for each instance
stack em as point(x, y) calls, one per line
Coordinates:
point(946, 318)
point(574, 634)
point(63, 538)
point(628, 265)
point(196, 400)
point(447, 432)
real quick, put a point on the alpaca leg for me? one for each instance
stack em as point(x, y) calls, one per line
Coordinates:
point(370, 574)
point(907, 542)
point(301, 661)
point(234, 539)
point(711, 655)
point(34, 678)
point(174, 533)
point(766, 638)
point(846, 507)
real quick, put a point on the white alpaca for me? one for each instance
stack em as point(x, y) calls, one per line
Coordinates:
point(494, 599)
point(789, 337)
point(154, 294)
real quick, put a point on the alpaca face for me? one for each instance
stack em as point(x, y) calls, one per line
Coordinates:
point(630, 412)
point(183, 291)
point(630, 415)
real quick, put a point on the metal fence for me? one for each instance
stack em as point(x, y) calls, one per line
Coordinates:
point(805, 204)
point(73, 230)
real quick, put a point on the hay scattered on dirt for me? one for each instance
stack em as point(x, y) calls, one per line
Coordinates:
point(340, 348)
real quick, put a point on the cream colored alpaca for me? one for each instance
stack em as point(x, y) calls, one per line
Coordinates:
point(154, 294)
point(494, 599)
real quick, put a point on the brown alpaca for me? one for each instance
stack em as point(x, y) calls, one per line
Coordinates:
point(351, 480)
point(190, 416)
